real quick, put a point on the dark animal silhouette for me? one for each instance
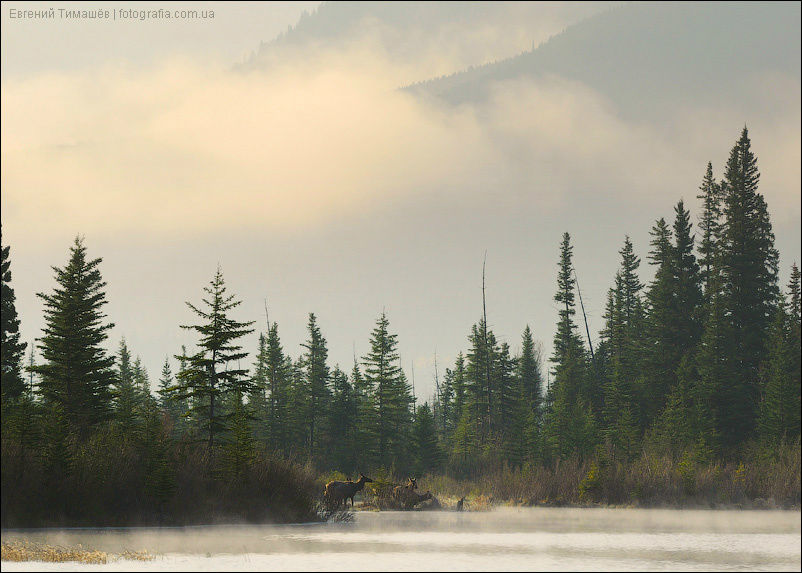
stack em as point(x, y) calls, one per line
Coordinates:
point(460, 502)
point(337, 491)
point(411, 499)
point(400, 491)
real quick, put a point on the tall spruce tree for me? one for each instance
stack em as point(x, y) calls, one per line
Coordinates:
point(76, 375)
point(209, 374)
point(127, 412)
point(509, 417)
point(366, 427)
point(341, 446)
point(174, 408)
point(457, 376)
point(444, 403)
point(749, 269)
point(279, 381)
point(659, 359)
point(316, 379)
point(392, 394)
point(688, 279)
point(623, 333)
point(673, 326)
point(426, 452)
point(714, 366)
point(11, 349)
point(779, 407)
point(480, 382)
point(529, 372)
point(710, 225)
point(258, 398)
point(796, 346)
point(779, 418)
point(569, 426)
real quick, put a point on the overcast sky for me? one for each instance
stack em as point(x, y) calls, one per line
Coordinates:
point(319, 187)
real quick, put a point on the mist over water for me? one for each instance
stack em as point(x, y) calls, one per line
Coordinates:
point(503, 539)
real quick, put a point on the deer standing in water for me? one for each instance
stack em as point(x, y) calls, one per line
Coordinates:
point(337, 491)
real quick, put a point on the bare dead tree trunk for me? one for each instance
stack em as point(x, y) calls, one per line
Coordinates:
point(581, 304)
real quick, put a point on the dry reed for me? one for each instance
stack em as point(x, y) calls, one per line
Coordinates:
point(23, 550)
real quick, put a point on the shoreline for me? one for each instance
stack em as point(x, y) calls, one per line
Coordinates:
point(447, 508)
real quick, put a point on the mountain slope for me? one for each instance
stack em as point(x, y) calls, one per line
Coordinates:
point(457, 34)
point(644, 57)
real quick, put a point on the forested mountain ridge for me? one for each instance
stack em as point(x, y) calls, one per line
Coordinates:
point(464, 33)
point(647, 56)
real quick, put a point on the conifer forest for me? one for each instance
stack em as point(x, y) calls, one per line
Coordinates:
point(691, 394)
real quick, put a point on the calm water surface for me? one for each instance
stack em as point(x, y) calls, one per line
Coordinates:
point(501, 540)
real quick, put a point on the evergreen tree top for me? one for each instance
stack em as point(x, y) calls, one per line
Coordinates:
point(219, 331)
point(793, 293)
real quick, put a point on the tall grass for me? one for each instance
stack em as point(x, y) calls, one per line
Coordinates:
point(762, 478)
point(20, 550)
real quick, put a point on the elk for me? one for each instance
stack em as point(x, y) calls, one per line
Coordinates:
point(400, 491)
point(412, 499)
point(337, 491)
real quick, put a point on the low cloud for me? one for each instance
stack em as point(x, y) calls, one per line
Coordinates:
point(187, 149)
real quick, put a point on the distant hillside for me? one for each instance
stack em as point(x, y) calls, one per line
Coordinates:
point(647, 56)
point(467, 32)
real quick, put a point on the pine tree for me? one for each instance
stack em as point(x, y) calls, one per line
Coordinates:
point(714, 366)
point(279, 380)
point(316, 378)
point(239, 448)
point(569, 426)
point(688, 279)
point(507, 399)
point(444, 403)
point(479, 382)
point(779, 409)
point(366, 426)
point(141, 379)
point(258, 398)
point(297, 422)
point(76, 376)
point(11, 349)
point(673, 429)
point(566, 337)
point(710, 225)
point(174, 408)
point(341, 450)
point(127, 411)
point(392, 394)
point(674, 299)
point(749, 269)
point(779, 417)
point(529, 372)
point(457, 379)
point(795, 343)
point(623, 335)
point(206, 378)
point(660, 361)
point(426, 451)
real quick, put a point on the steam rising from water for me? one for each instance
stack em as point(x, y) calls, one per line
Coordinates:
point(505, 539)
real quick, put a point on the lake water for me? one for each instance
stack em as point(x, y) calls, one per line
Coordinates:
point(502, 539)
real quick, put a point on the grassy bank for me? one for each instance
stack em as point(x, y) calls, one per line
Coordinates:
point(31, 551)
point(760, 479)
